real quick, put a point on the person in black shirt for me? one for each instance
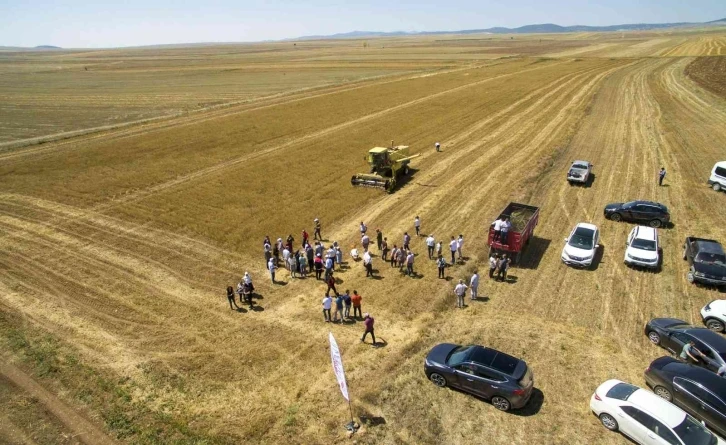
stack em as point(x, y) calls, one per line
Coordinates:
point(230, 297)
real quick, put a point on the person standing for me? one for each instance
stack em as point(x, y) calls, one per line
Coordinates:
point(364, 241)
point(409, 263)
point(310, 256)
point(401, 258)
point(356, 299)
point(328, 268)
point(339, 257)
point(689, 351)
point(316, 234)
point(292, 263)
point(305, 237)
point(406, 240)
point(368, 323)
point(497, 228)
point(661, 175)
point(439, 249)
point(338, 308)
point(330, 281)
point(506, 225)
point(438, 147)
point(230, 297)
point(330, 253)
point(460, 291)
point(417, 225)
point(267, 248)
point(441, 263)
point(303, 263)
point(493, 262)
point(289, 242)
point(285, 256)
point(474, 285)
point(318, 263)
point(384, 249)
point(327, 304)
point(453, 245)
point(272, 267)
point(276, 253)
point(502, 267)
point(347, 301)
point(368, 263)
point(459, 245)
point(430, 243)
point(363, 229)
point(319, 248)
point(394, 255)
point(379, 239)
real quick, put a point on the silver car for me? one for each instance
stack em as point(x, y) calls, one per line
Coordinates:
point(579, 172)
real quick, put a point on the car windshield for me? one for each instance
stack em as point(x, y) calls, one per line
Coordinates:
point(458, 355)
point(582, 239)
point(579, 166)
point(711, 258)
point(643, 244)
point(621, 391)
point(692, 432)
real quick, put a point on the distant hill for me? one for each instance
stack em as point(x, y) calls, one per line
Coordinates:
point(47, 47)
point(544, 28)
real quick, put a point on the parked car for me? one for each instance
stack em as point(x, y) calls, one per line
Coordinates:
point(653, 213)
point(504, 380)
point(642, 248)
point(672, 334)
point(707, 260)
point(695, 390)
point(581, 245)
point(647, 418)
point(579, 172)
point(717, 180)
point(714, 315)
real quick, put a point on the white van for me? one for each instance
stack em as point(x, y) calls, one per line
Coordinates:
point(717, 181)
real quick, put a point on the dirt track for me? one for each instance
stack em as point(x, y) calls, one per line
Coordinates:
point(138, 275)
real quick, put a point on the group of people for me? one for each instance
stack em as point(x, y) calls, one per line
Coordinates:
point(501, 229)
point(244, 290)
point(343, 303)
point(461, 287)
point(499, 265)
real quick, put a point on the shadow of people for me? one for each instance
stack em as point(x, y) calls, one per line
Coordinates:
point(380, 343)
point(257, 308)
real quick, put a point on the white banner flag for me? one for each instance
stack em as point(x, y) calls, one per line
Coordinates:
point(338, 366)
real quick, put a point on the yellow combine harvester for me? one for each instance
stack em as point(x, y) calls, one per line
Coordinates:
point(387, 165)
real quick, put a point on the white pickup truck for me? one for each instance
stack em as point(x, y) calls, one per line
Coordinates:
point(579, 172)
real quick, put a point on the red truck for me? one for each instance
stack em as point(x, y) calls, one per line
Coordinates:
point(524, 219)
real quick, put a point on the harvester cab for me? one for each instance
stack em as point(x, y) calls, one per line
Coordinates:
point(386, 166)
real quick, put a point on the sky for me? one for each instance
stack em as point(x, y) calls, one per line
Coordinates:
point(119, 23)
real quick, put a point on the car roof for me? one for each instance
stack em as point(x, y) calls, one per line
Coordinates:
point(720, 164)
point(657, 407)
point(581, 162)
point(494, 359)
point(710, 338)
point(586, 226)
point(645, 232)
point(708, 379)
point(710, 247)
point(652, 203)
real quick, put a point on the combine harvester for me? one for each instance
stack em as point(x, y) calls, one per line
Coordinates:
point(387, 165)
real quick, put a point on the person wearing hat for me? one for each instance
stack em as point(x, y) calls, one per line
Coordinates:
point(460, 291)
point(316, 233)
point(368, 323)
point(438, 146)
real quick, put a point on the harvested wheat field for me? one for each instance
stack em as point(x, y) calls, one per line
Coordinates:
point(128, 205)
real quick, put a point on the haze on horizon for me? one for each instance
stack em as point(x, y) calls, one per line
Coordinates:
point(103, 24)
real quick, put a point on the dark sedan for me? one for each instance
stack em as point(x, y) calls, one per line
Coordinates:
point(697, 391)
point(652, 213)
point(672, 334)
point(504, 380)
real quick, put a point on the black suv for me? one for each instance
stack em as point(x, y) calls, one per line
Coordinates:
point(700, 393)
point(505, 380)
point(653, 213)
point(707, 260)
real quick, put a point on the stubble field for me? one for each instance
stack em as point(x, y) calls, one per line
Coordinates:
point(118, 242)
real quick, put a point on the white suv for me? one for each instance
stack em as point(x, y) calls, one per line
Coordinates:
point(717, 180)
point(714, 315)
point(647, 418)
point(642, 247)
point(581, 245)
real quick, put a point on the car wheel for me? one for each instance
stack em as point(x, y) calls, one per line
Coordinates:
point(405, 171)
point(716, 187)
point(500, 403)
point(663, 393)
point(655, 223)
point(616, 217)
point(438, 379)
point(654, 337)
point(609, 422)
point(714, 325)
point(690, 278)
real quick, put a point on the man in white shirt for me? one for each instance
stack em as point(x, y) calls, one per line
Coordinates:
point(474, 285)
point(368, 263)
point(460, 291)
point(493, 261)
point(459, 244)
point(327, 304)
point(409, 263)
point(417, 225)
point(363, 229)
point(430, 243)
point(453, 245)
point(506, 225)
point(498, 228)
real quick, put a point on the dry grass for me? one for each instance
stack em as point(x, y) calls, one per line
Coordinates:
point(134, 233)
